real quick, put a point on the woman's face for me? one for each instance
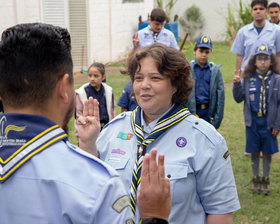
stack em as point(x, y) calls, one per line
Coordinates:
point(263, 62)
point(153, 91)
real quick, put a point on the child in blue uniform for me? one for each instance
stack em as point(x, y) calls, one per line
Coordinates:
point(127, 101)
point(208, 97)
point(259, 88)
point(98, 90)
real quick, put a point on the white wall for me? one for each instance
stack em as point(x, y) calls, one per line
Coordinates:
point(214, 12)
point(13, 12)
point(111, 25)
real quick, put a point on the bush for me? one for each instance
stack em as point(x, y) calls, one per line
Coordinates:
point(192, 21)
point(234, 24)
point(167, 6)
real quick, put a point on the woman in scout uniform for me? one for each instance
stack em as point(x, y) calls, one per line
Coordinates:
point(259, 88)
point(197, 162)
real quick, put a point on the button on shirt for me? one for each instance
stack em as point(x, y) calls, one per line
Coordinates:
point(202, 83)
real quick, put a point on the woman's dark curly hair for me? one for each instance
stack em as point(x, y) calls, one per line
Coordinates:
point(251, 66)
point(170, 63)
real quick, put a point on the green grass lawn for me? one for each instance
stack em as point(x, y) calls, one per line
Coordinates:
point(257, 209)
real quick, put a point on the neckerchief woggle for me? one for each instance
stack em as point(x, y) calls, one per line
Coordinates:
point(23, 136)
point(176, 114)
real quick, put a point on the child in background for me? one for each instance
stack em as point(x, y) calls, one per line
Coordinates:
point(259, 88)
point(208, 96)
point(126, 100)
point(98, 90)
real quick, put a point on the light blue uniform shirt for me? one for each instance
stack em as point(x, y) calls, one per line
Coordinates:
point(63, 184)
point(196, 161)
point(247, 40)
point(165, 37)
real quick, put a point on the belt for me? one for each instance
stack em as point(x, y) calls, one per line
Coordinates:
point(202, 106)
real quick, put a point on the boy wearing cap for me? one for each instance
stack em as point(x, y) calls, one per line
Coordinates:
point(259, 88)
point(208, 97)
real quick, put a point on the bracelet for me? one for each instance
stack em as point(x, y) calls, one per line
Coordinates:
point(154, 221)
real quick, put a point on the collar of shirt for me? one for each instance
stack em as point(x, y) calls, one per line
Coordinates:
point(267, 26)
point(147, 129)
point(207, 64)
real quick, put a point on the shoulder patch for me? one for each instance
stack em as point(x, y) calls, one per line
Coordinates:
point(226, 155)
point(121, 203)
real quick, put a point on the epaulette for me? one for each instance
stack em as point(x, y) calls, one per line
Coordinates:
point(122, 115)
point(206, 129)
point(96, 160)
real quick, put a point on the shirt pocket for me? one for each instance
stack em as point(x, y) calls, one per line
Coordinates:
point(182, 181)
point(117, 162)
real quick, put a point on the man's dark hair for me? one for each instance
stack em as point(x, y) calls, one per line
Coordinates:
point(273, 5)
point(158, 15)
point(33, 57)
point(259, 2)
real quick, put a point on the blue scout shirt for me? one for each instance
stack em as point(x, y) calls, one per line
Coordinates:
point(255, 90)
point(126, 101)
point(202, 83)
point(165, 37)
point(247, 39)
point(196, 161)
point(60, 184)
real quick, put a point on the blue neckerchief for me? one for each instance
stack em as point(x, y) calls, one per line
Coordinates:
point(177, 113)
point(23, 136)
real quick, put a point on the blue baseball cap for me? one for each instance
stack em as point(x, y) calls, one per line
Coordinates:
point(263, 49)
point(204, 41)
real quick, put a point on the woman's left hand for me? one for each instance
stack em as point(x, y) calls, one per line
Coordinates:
point(274, 132)
point(88, 126)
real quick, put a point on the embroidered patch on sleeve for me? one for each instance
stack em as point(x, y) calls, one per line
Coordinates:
point(129, 221)
point(121, 203)
point(226, 155)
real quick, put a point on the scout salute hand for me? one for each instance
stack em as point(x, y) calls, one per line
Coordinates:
point(154, 198)
point(135, 40)
point(88, 126)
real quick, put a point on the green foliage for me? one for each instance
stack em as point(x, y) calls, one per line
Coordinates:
point(167, 6)
point(192, 21)
point(234, 23)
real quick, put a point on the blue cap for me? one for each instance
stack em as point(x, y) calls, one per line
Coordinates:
point(204, 41)
point(263, 49)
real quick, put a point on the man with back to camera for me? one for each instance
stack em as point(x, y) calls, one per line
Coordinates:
point(43, 177)
point(273, 12)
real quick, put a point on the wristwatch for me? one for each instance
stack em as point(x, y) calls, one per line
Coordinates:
point(154, 221)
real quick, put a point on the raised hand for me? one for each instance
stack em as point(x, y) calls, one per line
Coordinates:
point(88, 126)
point(154, 198)
point(135, 40)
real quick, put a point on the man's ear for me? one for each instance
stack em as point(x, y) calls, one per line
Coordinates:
point(62, 88)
